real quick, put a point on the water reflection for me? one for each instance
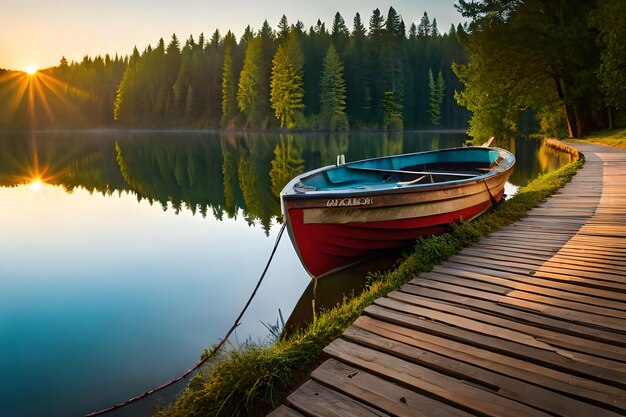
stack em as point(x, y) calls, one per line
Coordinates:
point(218, 173)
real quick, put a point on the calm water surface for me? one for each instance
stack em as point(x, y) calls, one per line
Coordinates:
point(124, 255)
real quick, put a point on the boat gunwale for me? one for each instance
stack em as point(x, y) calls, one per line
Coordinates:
point(289, 192)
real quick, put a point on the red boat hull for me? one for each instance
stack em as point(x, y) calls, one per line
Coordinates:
point(327, 239)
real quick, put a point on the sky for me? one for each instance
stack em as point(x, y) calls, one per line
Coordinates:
point(40, 32)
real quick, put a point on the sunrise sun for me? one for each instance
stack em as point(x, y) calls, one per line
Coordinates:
point(31, 69)
point(35, 185)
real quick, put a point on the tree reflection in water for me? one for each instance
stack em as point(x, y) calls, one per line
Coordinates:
point(224, 173)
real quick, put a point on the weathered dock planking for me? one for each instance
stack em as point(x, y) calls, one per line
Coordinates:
point(530, 321)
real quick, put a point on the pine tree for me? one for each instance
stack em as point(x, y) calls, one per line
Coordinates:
point(171, 69)
point(126, 99)
point(423, 29)
point(287, 87)
point(253, 92)
point(229, 93)
point(436, 89)
point(357, 72)
point(340, 34)
point(191, 108)
point(377, 62)
point(377, 24)
point(287, 163)
point(412, 32)
point(246, 37)
point(314, 47)
point(333, 92)
point(434, 31)
point(283, 30)
point(392, 110)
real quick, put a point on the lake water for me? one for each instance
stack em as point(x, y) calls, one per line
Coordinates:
point(124, 254)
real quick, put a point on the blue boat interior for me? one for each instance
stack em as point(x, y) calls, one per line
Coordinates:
point(403, 170)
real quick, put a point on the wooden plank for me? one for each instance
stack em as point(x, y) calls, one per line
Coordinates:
point(503, 253)
point(316, 400)
point(380, 393)
point(572, 305)
point(576, 264)
point(551, 337)
point(600, 275)
point(504, 330)
point(284, 411)
point(537, 285)
point(561, 313)
point(505, 386)
point(613, 264)
point(520, 315)
point(531, 292)
point(531, 353)
point(576, 316)
point(483, 399)
point(520, 268)
point(574, 286)
point(524, 266)
point(613, 398)
point(593, 283)
point(546, 236)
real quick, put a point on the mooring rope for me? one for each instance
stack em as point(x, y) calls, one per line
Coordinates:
point(211, 354)
point(494, 202)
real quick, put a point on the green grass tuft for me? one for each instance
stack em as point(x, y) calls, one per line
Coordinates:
point(253, 379)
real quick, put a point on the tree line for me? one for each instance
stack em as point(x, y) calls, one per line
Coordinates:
point(375, 75)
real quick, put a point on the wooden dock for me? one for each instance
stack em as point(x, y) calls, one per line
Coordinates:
point(530, 321)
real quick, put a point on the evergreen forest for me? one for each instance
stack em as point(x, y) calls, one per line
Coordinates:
point(533, 65)
point(375, 73)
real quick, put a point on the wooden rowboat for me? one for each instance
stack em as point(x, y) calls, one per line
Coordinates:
point(341, 214)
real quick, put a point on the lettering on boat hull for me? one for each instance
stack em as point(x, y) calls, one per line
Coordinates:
point(349, 202)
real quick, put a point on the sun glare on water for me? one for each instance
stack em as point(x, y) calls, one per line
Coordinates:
point(31, 69)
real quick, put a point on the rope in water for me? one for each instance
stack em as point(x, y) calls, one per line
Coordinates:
point(211, 354)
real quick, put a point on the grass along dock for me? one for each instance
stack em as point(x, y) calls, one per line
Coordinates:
point(530, 321)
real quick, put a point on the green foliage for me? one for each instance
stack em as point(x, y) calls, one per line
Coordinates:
point(229, 93)
point(538, 54)
point(423, 29)
point(287, 88)
point(287, 163)
point(255, 378)
point(283, 30)
point(340, 34)
point(333, 92)
point(437, 90)
point(253, 92)
point(609, 18)
point(551, 120)
point(392, 110)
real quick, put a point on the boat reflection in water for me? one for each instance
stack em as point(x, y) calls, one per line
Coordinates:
point(323, 294)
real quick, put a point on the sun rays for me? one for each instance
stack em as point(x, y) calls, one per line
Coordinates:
point(35, 98)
